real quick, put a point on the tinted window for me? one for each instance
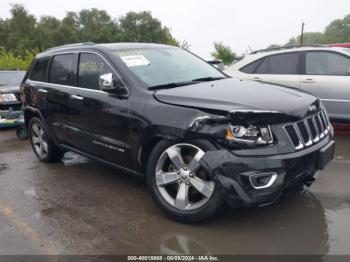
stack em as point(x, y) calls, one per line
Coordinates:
point(39, 70)
point(326, 63)
point(279, 64)
point(263, 67)
point(91, 67)
point(60, 71)
point(249, 69)
point(284, 64)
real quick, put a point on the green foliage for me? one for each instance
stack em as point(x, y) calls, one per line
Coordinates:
point(22, 32)
point(9, 60)
point(309, 38)
point(142, 27)
point(337, 31)
point(223, 53)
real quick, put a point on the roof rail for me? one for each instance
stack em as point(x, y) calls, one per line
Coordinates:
point(286, 47)
point(70, 45)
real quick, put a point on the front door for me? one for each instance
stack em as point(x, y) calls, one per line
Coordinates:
point(104, 117)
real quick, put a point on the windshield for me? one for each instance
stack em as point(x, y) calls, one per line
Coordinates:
point(162, 66)
point(11, 77)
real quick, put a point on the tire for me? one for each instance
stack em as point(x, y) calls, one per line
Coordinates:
point(42, 144)
point(22, 132)
point(177, 195)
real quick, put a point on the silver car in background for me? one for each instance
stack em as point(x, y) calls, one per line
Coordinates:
point(323, 71)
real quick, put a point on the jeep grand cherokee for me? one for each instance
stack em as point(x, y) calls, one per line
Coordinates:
point(199, 137)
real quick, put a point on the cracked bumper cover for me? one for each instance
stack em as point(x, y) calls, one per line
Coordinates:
point(232, 172)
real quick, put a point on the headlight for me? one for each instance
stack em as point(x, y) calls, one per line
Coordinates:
point(250, 136)
point(8, 98)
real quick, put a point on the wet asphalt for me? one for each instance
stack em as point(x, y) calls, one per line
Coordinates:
point(84, 207)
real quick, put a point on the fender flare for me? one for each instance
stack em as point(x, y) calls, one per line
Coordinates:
point(38, 113)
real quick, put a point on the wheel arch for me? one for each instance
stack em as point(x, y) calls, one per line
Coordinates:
point(29, 113)
point(149, 144)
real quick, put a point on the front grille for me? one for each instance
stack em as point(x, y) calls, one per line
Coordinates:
point(309, 130)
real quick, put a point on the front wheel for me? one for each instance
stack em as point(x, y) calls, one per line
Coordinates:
point(178, 182)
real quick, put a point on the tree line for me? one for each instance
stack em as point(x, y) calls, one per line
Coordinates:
point(22, 35)
point(338, 31)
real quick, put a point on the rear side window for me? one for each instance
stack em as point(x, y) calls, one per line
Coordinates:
point(263, 68)
point(61, 69)
point(91, 67)
point(285, 64)
point(39, 70)
point(250, 69)
point(327, 63)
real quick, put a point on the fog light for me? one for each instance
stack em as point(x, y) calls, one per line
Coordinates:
point(262, 180)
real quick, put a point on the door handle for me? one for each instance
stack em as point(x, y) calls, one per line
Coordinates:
point(77, 97)
point(308, 81)
point(42, 90)
point(257, 78)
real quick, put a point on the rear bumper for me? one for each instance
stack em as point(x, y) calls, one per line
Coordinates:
point(11, 118)
point(237, 176)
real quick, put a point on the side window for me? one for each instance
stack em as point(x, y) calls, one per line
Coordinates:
point(60, 71)
point(284, 64)
point(250, 68)
point(327, 63)
point(281, 64)
point(39, 70)
point(263, 66)
point(91, 67)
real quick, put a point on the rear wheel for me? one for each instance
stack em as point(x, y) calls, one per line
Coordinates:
point(42, 144)
point(178, 182)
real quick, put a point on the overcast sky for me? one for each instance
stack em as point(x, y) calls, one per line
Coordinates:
point(238, 24)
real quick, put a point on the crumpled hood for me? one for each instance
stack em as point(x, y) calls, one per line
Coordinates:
point(7, 89)
point(236, 95)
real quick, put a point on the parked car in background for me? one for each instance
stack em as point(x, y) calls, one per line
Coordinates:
point(10, 101)
point(345, 45)
point(199, 136)
point(323, 71)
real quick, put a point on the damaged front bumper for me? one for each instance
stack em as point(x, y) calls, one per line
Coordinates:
point(261, 180)
point(11, 118)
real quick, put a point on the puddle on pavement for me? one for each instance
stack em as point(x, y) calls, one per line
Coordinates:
point(3, 167)
point(71, 159)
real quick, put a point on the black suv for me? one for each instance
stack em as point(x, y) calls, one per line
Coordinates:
point(199, 136)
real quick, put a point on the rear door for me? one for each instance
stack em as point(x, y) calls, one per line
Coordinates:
point(327, 75)
point(281, 69)
point(60, 88)
point(36, 87)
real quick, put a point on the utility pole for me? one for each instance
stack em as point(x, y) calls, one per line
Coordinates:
point(302, 33)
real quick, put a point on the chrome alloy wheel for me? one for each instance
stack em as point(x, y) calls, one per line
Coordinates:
point(39, 141)
point(181, 180)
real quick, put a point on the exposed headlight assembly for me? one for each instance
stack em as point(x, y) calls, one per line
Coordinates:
point(8, 98)
point(249, 136)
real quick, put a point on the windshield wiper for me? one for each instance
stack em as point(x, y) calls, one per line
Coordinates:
point(210, 78)
point(170, 85)
point(193, 81)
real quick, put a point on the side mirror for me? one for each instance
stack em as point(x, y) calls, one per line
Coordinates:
point(218, 64)
point(112, 84)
